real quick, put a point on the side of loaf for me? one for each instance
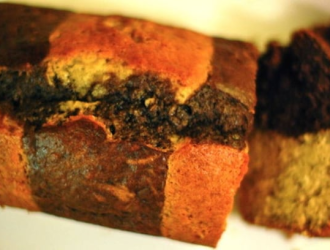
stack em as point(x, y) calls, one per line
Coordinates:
point(289, 148)
point(123, 122)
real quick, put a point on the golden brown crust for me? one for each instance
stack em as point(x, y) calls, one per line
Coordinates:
point(135, 45)
point(68, 44)
point(15, 189)
point(199, 191)
point(188, 59)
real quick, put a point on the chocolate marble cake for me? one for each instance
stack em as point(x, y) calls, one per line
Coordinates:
point(289, 148)
point(123, 122)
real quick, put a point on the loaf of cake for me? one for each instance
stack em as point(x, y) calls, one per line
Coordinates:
point(288, 183)
point(123, 122)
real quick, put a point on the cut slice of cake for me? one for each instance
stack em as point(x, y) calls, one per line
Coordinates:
point(288, 183)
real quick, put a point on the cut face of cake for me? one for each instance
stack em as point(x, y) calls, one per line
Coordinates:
point(123, 122)
point(288, 183)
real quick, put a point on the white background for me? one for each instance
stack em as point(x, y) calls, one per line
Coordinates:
point(257, 21)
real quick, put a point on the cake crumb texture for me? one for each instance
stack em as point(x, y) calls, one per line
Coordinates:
point(288, 182)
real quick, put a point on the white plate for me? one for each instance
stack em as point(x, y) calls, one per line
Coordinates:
point(257, 21)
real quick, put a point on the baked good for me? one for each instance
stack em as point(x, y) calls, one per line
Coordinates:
point(123, 122)
point(289, 147)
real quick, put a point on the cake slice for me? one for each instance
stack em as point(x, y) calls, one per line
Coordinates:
point(123, 122)
point(288, 183)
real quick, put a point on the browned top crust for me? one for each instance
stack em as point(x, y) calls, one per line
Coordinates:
point(38, 35)
point(84, 57)
point(134, 46)
point(293, 84)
